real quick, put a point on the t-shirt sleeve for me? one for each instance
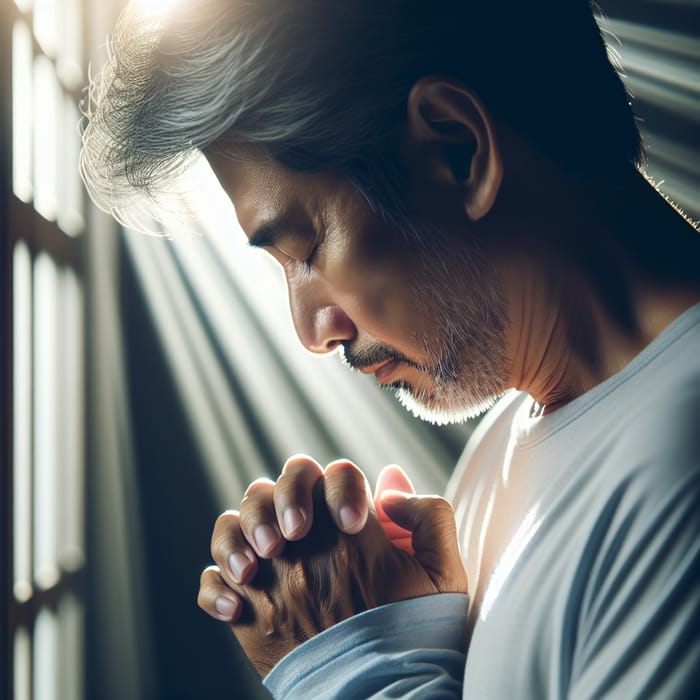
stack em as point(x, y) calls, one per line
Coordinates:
point(638, 630)
point(411, 649)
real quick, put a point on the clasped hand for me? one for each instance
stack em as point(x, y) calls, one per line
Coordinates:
point(314, 548)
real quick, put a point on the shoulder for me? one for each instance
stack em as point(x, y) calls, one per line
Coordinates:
point(651, 420)
point(662, 429)
point(648, 484)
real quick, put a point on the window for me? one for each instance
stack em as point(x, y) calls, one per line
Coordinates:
point(43, 442)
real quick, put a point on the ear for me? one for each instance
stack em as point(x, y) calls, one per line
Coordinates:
point(453, 135)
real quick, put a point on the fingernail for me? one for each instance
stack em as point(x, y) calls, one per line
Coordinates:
point(266, 538)
point(239, 564)
point(349, 517)
point(293, 519)
point(225, 606)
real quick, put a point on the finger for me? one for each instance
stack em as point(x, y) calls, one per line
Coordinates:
point(230, 549)
point(216, 598)
point(293, 496)
point(432, 522)
point(393, 478)
point(259, 520)
point(347, 495)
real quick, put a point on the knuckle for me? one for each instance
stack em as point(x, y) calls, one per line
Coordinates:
point(220, 549)
point(207, 594)
point(226, 520)
point(209, 577)
point(226, 531)
point(343, 467)
point(288, 487)
point(296, 485)
point(259, 484)
point(440, 512)
point(253, 516)
point(300, 465)
point(344, 481)
point(442, 505)
point(256, 497)
point(206, 597)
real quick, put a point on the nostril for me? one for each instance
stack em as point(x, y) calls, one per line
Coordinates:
point(323, 330)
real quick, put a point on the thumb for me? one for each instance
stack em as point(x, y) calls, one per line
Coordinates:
point(393, 478)
point(431, 521)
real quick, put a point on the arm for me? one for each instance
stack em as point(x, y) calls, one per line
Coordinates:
point(641, 613)
point(411, 649)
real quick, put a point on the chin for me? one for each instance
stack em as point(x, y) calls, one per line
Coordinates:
point(445, 407)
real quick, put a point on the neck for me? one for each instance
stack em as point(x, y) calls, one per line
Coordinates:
point(603, 275)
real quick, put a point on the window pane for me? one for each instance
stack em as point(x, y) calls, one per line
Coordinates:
point(45, 653)
point(70, 623)
point(46, 126)
point(70, 208)
point(70, 54)
point(22, 424)
point(71, 474)
point(45, 421)
point(22, 665)
point(22, 55)
point(46, 24)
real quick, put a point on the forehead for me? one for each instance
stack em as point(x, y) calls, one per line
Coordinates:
point(262, 189)
point(256, 186)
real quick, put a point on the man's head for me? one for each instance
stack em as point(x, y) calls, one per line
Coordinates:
point(427, 319)
point(380, 126)
point(323, 86)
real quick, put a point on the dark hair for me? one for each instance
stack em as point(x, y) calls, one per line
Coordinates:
point(322, 86)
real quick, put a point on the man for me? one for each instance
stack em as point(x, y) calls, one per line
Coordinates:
point(454, 192)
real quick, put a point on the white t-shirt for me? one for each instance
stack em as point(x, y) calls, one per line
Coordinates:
point(581, 535)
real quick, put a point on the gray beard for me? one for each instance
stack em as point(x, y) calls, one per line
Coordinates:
point(465, 349)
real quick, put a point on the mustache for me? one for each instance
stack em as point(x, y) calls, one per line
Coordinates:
point(377, 353)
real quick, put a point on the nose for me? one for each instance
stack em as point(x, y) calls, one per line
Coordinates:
point(321, 327)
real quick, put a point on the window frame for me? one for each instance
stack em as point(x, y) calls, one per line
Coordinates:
point(21, 222)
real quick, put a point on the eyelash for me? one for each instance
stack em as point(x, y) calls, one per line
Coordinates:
point(308, 264)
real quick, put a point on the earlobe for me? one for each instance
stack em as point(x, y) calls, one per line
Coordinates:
point(484, 182)
point(456, 137)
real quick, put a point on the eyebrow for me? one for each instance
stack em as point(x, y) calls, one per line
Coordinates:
point(268, 233)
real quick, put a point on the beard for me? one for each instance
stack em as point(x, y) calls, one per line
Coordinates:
point(464, 366)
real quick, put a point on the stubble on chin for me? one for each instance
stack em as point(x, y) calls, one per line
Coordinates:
point(464, 345)
point(458, 302)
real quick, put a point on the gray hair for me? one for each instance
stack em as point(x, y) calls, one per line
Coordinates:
point(321, 85)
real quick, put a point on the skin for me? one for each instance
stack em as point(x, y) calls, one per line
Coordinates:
point(329, 575)
point(359, 287)
point(575, 266)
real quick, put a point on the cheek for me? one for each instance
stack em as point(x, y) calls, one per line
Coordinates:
point(375, 277)
point(382, 301)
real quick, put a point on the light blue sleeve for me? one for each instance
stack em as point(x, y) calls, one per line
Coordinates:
point(411, 649)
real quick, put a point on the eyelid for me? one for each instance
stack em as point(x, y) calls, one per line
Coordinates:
point(273, 234)
point(261, 238)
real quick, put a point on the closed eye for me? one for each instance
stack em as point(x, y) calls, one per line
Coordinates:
point(289, 239)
